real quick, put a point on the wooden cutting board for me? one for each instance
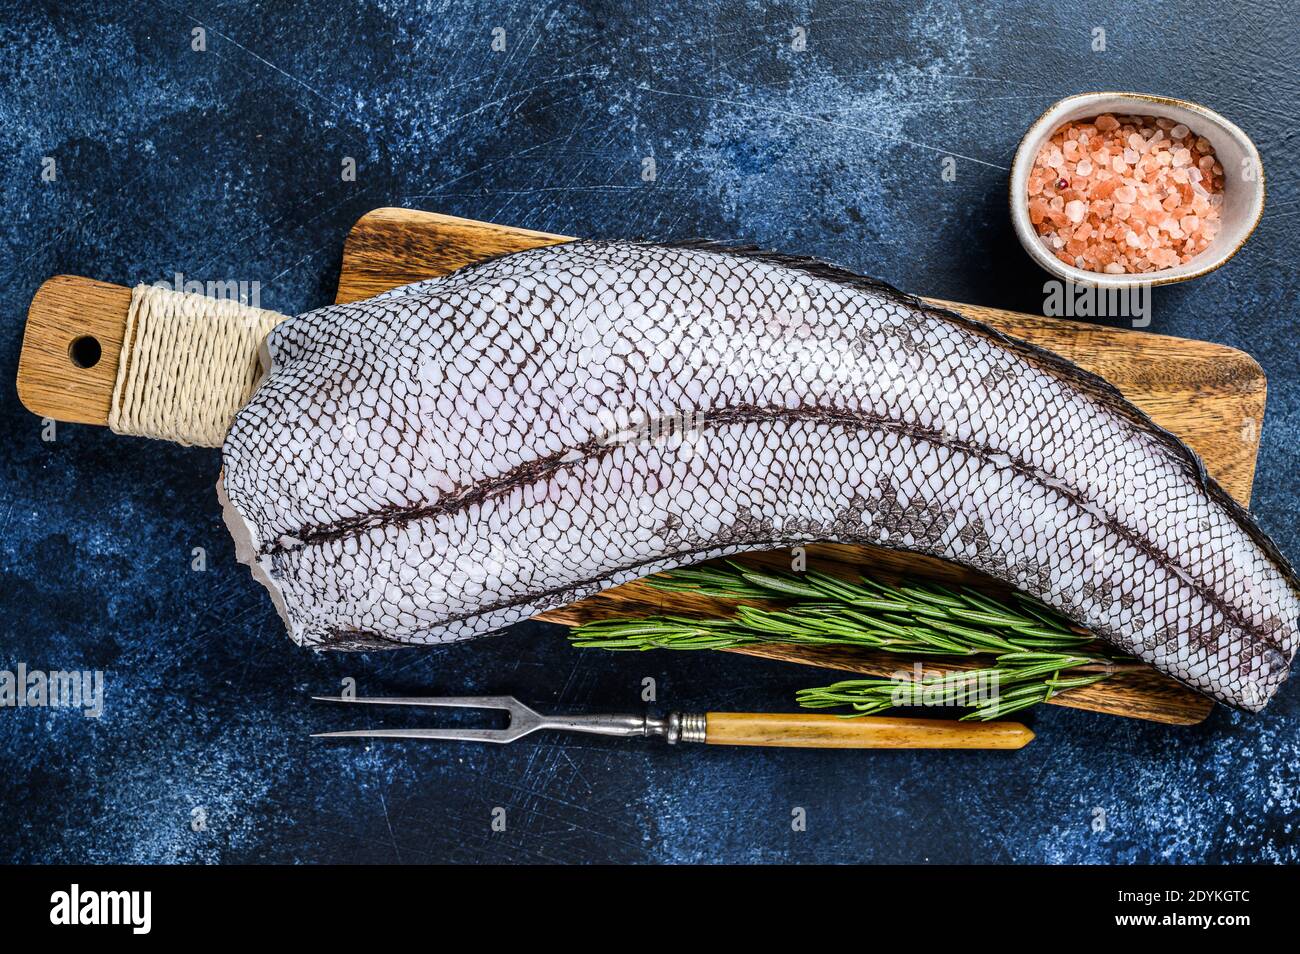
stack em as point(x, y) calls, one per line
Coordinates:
point(1210, 395)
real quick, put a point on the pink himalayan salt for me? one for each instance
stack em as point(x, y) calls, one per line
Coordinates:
point(1125, 194)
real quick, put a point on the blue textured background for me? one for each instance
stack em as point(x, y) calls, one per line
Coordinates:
point(225, 165)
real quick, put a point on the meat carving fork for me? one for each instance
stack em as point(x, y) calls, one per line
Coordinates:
point(790, 730)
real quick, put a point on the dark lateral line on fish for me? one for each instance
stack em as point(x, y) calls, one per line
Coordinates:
point(597, 447)
point(532, 472)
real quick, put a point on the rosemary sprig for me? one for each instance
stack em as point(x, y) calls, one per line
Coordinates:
point(1016, 690)
point(1030, 646)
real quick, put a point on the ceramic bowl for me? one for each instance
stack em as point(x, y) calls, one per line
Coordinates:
point(1243, 190)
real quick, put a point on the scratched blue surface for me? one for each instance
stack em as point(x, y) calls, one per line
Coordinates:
point(225, 164)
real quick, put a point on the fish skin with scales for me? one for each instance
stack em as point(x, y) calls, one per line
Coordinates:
point(459, 454)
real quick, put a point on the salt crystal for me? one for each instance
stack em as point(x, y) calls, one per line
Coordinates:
point(1075, 211)
point(1179, 132)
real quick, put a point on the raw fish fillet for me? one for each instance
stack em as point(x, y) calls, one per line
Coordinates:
point(457, 455)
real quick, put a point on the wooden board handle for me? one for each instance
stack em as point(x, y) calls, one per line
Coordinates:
point(71, 349)
point(814, 731)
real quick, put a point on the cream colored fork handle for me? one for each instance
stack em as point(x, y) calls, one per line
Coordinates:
point(816, 731)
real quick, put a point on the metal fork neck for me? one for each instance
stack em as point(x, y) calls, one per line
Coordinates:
point(673, 728)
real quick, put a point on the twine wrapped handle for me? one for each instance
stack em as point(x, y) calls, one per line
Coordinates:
point(188, 364)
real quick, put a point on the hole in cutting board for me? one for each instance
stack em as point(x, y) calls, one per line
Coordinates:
point(85, 352)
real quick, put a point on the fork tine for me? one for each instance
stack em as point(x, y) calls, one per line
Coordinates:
point(520, 724)
point(505, 703)
point(453, 735)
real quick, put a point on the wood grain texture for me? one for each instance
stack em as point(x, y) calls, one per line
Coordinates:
point(64, 309)
point(801, 730)
point(1210, 395)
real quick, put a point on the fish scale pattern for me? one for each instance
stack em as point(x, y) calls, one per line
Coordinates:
point(456, 455)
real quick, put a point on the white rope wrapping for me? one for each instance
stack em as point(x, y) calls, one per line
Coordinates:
point(188, 363)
